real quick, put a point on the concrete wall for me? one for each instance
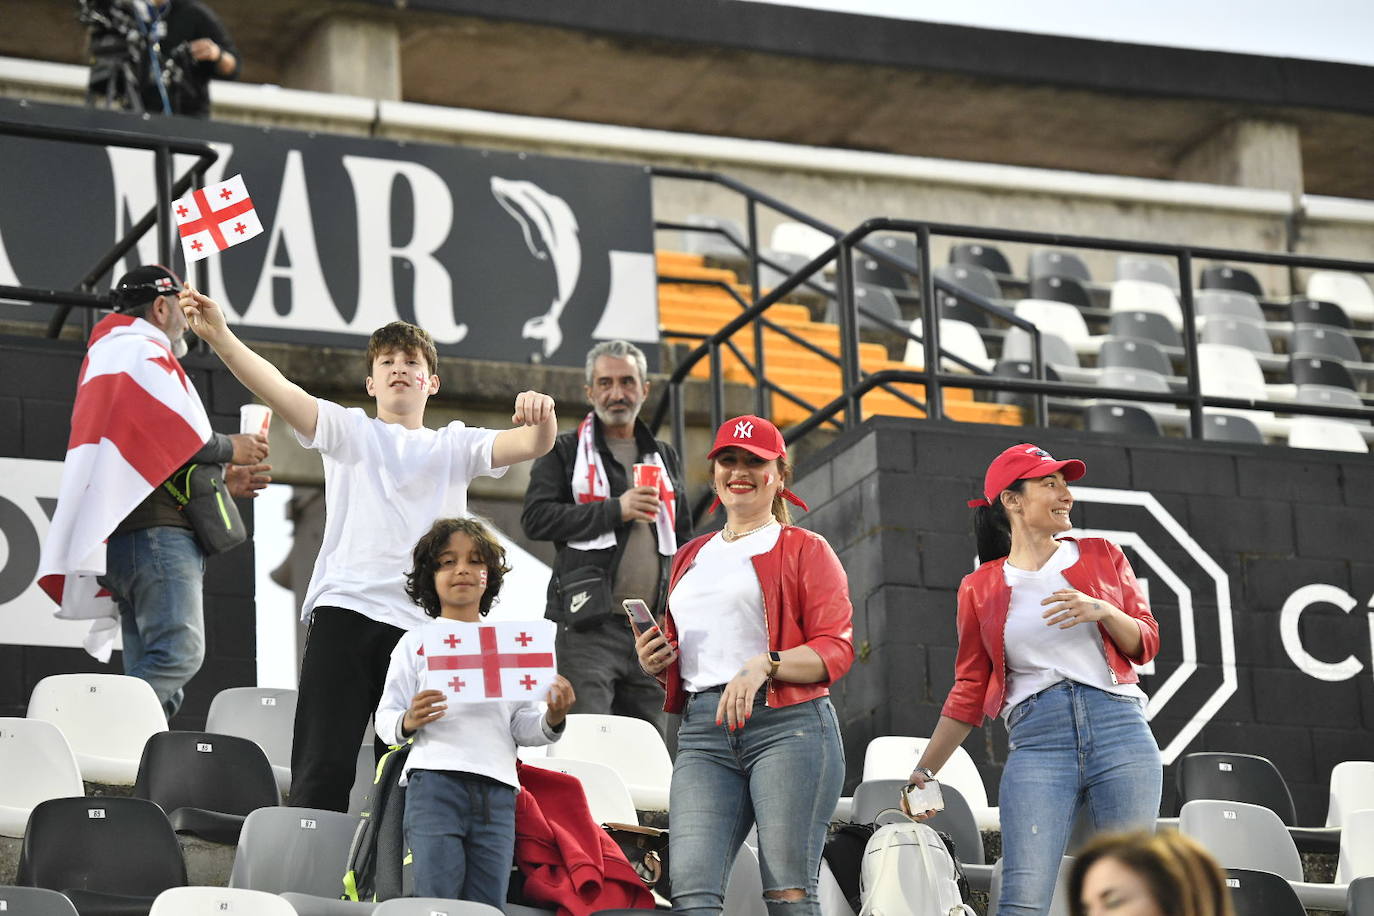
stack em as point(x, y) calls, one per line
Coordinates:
point(1275, 522)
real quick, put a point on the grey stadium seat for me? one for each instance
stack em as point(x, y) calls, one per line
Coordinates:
point(1151, 270)
point(1146, 326)
point(1314, 340)
point(1121, 419)
point(1134, 353)
point(989, 257)
point(1049, 262)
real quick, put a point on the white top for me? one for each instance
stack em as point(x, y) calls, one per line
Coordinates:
point(384, 485)
point(1039, 656)
point(718, 609)
point(471, 737)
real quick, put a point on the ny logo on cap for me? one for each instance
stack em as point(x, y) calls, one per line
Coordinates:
point(1041, 453)
point(744, 430)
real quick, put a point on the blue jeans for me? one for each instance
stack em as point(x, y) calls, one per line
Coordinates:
point(783, 771)
point(1071, 745)
point(156, 577)
point(461, 833)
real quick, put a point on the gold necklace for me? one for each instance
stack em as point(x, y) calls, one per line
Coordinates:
point(731, 536)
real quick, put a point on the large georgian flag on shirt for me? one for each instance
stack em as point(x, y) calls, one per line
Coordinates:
point(214, 218)
point(481, 662)
point(137, 418)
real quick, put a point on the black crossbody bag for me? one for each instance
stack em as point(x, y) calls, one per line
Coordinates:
point(205, 502)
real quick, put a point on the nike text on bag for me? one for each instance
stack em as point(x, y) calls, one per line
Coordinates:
point(205, 503)
point(585, 595)
point(907, 871)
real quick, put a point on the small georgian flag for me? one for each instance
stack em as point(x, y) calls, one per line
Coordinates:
point(482, 662)
point(214, 218)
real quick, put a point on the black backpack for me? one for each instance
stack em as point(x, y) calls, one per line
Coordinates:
point(378, 856)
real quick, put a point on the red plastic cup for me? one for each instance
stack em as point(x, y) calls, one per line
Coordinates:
point(646, 475)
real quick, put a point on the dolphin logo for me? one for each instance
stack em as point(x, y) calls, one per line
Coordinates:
point(550, 230)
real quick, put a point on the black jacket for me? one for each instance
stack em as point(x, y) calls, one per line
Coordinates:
point(552, 514)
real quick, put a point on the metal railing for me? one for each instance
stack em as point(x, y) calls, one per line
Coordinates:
point(845, 409)
point(159, 217)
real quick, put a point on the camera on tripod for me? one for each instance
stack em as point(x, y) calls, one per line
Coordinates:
point(124, 36)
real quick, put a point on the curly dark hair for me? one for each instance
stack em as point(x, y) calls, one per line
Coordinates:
point(404, 337)
point(420, 579)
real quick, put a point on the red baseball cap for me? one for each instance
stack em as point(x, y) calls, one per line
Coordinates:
point(758, 436)
point(1021, 462)
point(751, 433)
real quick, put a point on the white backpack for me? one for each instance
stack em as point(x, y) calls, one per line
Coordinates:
point(907, 871)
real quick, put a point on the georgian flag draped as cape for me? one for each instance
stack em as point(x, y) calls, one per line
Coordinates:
point(137, 418)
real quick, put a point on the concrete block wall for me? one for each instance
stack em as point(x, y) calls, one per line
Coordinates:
point(890, 498)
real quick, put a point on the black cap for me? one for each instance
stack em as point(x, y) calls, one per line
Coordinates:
point(142, 285)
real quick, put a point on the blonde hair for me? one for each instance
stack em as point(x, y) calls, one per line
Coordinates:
point(1182, 876)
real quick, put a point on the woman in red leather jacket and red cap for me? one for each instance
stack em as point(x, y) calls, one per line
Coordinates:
point(758, 626)
point(1049, 627)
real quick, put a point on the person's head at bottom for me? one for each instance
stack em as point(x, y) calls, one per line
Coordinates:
point(1147, 874)
point(750, 474)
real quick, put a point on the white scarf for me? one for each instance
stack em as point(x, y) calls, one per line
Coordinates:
point(589, 485)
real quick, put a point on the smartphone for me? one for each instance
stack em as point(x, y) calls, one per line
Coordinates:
point(915, 800)
point(640, 617)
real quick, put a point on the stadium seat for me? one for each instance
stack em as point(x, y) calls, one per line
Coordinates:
point(1134, 353)
point(1141, 296)
point(608, 797)
point(875, 300)
point(956, 338)
point(1307, 369)
point(875, 796)
point(106, 718)
point(988, 257)
point(1237, 332)
point(1055, 350)
point(213, 901)
point(206, 783)
point(266, 715)
point(1151, 270)
point(971, 277)
point(35, 901)
point(713, 243)
point(1060, 319)
point(1349, 291)
point(1145, 381)
point(38, 765)
point(1359, 899)
point(1356, 859)
point(1241, 835)
point(1262, 893)
point(1315, 311)
point(1224, 303)
point(1059, 903)
point(1121, 419)
point(1222, 276)
point(1145, 325)
point(364, 774)
point(1222, 427)
point(303, 850)
point(895, 756)
point(434, 906)
point(1235, 777)
point(308, 905)
point(870, 270)
point(1049, 262)
point(1316, 340)
point(1329, 396)
point(630, 746)
point(1061, 289)
point(1329, 434)
point(1352, 789)
point(789, 263)
point(109, 855)
point(1228, 371)
point(799, 238)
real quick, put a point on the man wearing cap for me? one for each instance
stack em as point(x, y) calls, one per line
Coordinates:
point(613, 540)
point(136, 422)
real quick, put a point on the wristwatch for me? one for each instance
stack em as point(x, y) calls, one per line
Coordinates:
point(774, 662)
point(925, 771)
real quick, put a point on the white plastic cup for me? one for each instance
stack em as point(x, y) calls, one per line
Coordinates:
point(254, 419)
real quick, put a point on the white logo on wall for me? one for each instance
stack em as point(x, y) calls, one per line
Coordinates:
point(1168, 578)
point(550, 230)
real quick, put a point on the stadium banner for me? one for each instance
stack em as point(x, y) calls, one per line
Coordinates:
point(501, 256)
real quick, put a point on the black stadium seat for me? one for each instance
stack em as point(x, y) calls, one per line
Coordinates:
point(989, 257)
point(1317, 311)
point(1061, 289)
point(1262, 893)
point(1234, 278)
point(1121, 419)
point(207, 783)
point(1309, 369)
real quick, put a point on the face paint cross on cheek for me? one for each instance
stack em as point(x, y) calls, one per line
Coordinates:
point(767, 479)
point(482, 577)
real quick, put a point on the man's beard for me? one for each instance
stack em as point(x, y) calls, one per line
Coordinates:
point(180, 347)
point(613, 415)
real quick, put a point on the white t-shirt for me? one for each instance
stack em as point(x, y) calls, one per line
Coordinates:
point(1039, 656)
point(471, 737)
point(384, 485)
point(718, 609)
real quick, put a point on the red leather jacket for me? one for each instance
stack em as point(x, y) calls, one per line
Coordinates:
point(980, 667)
point(805, 602)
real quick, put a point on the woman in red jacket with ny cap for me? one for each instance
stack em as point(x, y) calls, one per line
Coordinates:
point(758, 626)
point(1048, 629)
